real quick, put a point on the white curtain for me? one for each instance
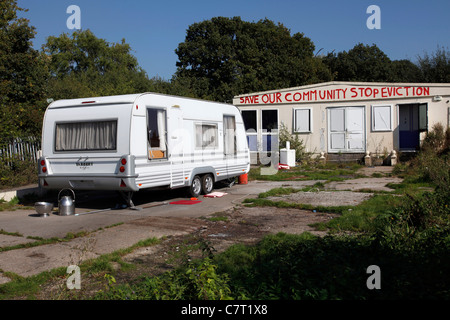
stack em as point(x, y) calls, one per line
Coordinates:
point(198, 136)
point(229, 127)
point(206, 136)
point(161, 121)
point(79, 136)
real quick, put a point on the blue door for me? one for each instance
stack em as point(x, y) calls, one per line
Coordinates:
point(412, 120)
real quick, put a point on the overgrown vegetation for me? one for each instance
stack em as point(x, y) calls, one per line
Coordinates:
point(405, 234)
point(17, 172)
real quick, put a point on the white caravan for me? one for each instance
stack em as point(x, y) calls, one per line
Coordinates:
point(138, 141)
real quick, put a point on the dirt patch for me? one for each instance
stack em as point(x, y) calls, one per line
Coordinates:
point(243, 225)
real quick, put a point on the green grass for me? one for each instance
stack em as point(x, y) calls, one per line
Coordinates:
point(352, 218)
point(411, 185)
point(328, 172)
point(360, 218)
point(218, 216)
point(9, 205)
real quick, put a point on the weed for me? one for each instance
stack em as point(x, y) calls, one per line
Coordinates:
point(284, 266)
point(196, 281)
point(219, 216)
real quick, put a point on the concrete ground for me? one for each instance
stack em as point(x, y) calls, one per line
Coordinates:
point(111, 227)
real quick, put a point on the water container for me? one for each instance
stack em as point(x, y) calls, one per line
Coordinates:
point(66, 205)
point(243, 178)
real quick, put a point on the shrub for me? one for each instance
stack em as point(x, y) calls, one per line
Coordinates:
point(295, 143)
point(437, 139)
point(196, 282)
point(285, 266)
point(17, 173)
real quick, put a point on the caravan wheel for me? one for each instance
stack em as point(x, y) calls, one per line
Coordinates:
point(207, 183)
point(196, 187)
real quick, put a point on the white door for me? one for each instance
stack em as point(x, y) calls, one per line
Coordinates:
point(176, 146)
point(229, 142)
point(346, 129)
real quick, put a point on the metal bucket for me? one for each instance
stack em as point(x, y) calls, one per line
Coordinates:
point(43, 208)
point(66, 205)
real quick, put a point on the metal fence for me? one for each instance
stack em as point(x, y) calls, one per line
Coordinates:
point(19, 148)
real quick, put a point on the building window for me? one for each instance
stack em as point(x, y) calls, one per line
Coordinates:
point(269, 134)
point(269, 120)
point(206, 136)
point(382, 118)
point(249, 117)
point(250, 122)
point(303, 120)
point(423, 117)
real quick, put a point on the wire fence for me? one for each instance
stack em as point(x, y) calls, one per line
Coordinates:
point(19, 149)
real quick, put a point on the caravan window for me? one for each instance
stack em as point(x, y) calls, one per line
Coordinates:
point(86, 136)
point(229, 128)
point(206, 136)
point(156, 133)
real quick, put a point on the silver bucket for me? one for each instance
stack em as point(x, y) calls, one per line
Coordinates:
point(66, 205)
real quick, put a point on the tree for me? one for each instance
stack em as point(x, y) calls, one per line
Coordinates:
point(361, 63)
point(435, 67)
point(23, 73)
point(405, 71)
point(223, 57)
point(83, 65)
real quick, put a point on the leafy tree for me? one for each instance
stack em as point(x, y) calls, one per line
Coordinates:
point(83, 65)
point(23, 73)
point(435, 67)
point(405, 71)
point(361, 63)
point(223, 57)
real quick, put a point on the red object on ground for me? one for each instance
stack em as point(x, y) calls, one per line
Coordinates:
point(243, 179)
point(186, 202)
point(283, 166)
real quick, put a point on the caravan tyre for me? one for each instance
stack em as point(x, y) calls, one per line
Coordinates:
point(207, 183)
point(196, 187)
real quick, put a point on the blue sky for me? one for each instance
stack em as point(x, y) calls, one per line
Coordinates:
point(155, 28)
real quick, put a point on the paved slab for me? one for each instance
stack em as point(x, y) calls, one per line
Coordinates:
point(155, 219)
point(10, 241)
point(325, 198)
point(376, 184)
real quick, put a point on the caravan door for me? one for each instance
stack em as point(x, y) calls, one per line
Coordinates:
point(229, 143)
point(176, 145)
